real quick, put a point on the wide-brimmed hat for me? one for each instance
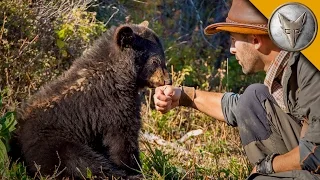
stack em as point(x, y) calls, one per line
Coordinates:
point(243, 18)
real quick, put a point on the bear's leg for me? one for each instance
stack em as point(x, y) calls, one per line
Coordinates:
point(77, 157)
point(124, 151)
point(69, 159)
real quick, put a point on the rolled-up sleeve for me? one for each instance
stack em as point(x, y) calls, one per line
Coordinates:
point(229, 103)
point(309, 147)
point(309, 156)
point(308, 101)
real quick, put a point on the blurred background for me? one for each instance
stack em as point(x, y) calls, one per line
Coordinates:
point(39, 39)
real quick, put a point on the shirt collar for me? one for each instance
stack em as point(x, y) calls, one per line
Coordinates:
point(276, 68)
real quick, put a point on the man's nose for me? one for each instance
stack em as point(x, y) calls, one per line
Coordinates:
point(233, 50)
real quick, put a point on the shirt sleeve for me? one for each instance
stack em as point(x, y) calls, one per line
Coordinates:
point(308, 101)
point(309, 156)
point(229, 103)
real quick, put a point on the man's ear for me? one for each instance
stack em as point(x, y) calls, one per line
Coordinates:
point(257, 41)
point(124, 37)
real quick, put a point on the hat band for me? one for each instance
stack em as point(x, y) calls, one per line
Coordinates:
point(260, 25)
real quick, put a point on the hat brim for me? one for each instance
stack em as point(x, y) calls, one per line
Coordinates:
point(235, 28)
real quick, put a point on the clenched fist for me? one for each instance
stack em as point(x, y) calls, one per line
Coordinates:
point(166, 98)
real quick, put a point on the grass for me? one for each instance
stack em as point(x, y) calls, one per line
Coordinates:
point(214, 154)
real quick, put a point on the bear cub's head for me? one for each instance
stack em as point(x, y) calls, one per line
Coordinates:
point(148, 54)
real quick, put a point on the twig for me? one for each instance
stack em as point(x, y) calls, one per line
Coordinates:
point(139, 1)
point(190, 134)
point(7, 76)
point(169, 48)
point(38, 173)
point(49, 9)
point(56, 172)
point(200, 23)
point(4, 22)
point(152, 138)
point(80, 173)
point(113, 14)
point(24, 42)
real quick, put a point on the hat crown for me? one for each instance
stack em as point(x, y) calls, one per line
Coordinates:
point(242, 18)
point(242, 11)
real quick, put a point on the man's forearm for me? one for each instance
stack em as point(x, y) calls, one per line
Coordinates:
point(209, 103)
point(287, 162)
point(290, 160)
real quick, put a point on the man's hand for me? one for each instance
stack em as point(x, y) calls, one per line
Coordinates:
point(166, 98)
point(254, 170)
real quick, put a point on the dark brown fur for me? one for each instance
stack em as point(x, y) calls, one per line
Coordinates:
point(90, 116)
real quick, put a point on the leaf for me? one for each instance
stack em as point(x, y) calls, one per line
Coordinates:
point(8, 123)
point(60, 44)
point(3, 153)
point(61, 34)
point(89, 173)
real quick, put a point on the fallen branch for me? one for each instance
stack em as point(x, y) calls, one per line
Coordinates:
point(152, 138)
point(190, 134)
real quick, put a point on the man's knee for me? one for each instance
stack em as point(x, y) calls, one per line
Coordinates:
point(251, 114)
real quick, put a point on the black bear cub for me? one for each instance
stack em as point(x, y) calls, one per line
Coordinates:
point(89, 117)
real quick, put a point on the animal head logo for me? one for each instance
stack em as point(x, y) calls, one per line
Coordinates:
point(292, 29)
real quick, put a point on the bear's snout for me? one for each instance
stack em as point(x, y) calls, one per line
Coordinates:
point(160, 77)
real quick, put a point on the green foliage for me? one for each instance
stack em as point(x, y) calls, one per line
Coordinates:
point(17, 36)
point(158, 164)
point(15, 171)
point(216, 154)
point(76, 29)
point(236, 81)
point(38, 41)
point(193, 58)
point(7, 125)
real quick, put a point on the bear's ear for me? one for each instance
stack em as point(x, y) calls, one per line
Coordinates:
point(124, 37)
point(144, 24)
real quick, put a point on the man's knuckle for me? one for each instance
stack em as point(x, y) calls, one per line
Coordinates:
point(158, 96)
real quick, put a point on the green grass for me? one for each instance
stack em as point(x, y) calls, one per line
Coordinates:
point(214, 154)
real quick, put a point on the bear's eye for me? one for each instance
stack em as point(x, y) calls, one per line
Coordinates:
point(155, 62)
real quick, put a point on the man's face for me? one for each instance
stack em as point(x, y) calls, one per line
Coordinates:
point(245, 53)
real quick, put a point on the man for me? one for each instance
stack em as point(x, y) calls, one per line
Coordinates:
point(278, 121)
